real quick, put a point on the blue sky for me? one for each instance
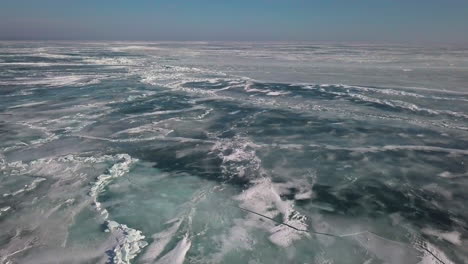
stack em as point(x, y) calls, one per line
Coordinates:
point(440, 21)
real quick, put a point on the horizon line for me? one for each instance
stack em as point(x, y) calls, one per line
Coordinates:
point(344, 42)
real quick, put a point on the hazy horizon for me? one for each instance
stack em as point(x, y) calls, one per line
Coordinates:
point(261, 20)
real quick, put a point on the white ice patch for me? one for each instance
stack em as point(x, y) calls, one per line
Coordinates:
point(129, 243)
point(373, 149)
point(177, 255)
point(152, 127)
point(249, 88)
point(398, 104)
point(27, 105)
point(237, 238)
point(277, 93)
point(394, 92)
point(453, 237)
point(117, 170)
point(166, 112)
point(4, 210)
point(428, 258)
point(37, 64)
point(180, 78)
point(116, 61)
point(445, 174)
point(160, 241)
point(263, 197)
point(53, 55)
point(56, 81)
point(238, 158)
point(161, 74)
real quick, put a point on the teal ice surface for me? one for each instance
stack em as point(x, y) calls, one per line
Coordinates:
point(119, 152)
